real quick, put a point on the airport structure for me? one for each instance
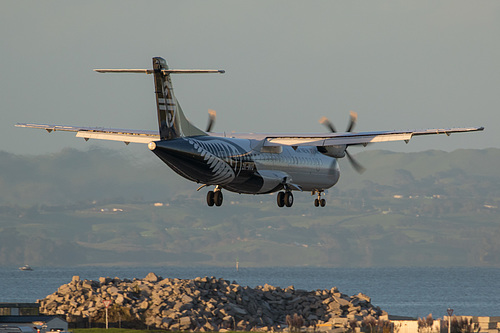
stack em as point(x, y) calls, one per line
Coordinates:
point(474, 323)
point(26, 318)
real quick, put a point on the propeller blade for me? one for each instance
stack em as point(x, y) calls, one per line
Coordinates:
point(352, 121)
point(324, 121)
point(355, 164)
point(211, 120)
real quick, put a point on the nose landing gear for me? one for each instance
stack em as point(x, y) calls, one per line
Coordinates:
point(319, 201)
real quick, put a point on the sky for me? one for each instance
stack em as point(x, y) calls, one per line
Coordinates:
point(398, 64)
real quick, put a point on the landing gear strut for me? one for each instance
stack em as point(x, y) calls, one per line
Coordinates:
point(284, 199)
point(319, 201)
point(215, 197)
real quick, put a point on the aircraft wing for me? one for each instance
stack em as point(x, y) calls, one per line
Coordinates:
point(113, 134)
point(269, 139)
point(349, 138)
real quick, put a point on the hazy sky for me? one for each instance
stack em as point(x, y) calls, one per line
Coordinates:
point(399, 64)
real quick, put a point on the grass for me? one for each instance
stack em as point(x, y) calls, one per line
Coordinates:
point(112, 330)
point(118, 330)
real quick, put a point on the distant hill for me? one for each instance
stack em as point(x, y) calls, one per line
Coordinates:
point(430, 208)
point(73, 176)
point(384, 167)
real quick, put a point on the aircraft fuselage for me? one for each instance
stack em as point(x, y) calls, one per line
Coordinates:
point(243, 166)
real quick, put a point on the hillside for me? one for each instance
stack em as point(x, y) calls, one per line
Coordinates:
point(431, 208)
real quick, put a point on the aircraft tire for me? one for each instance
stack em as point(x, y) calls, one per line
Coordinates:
point(323, 202)
point(210, 198)
point(218, 198)
point(280, 199)
point(288, 199)
point(316, 202)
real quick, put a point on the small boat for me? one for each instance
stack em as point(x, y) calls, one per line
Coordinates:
point(26, 268)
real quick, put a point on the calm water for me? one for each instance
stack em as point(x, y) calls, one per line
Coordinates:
point(399, 291)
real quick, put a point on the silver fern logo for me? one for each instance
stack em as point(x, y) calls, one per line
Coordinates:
point(223, 159)
point(170, 102)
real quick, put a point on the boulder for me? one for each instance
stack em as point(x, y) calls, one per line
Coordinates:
point(184, 323)
point(205, 303)
point(152, 277)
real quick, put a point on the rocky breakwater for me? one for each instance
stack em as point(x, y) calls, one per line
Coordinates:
point(202, 304)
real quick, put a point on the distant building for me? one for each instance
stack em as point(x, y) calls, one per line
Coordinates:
point(25, 315)
point(16, 329)
point(19, 309)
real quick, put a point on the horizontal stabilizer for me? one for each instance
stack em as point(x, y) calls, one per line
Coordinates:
point(164, 71)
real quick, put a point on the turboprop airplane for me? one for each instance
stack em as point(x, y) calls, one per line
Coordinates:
point(242, 162)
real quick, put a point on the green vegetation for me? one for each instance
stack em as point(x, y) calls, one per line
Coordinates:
point(98, 207)
point(113, 330)
point(121, 330)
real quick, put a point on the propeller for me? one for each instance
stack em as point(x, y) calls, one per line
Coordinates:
point(352, 122)
point(355, 164)
point(328, 124)
point(211, 120)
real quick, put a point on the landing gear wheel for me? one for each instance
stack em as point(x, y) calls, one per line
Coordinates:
point(288, 199)
point(319, 201)
point(218, 198)
point(280, 199)
point(210, 198)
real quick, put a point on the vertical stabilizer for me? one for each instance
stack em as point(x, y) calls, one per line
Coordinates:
point(171, 120)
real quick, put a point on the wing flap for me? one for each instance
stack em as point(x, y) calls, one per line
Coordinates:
point(294, 141)
point(368, 138)
point(127, 138)
point(113, 134)
point(361, 138)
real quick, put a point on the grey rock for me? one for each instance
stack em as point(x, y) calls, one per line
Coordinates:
point(144, 305)
point(184, 323)
point(205, 304)
point(151, 277)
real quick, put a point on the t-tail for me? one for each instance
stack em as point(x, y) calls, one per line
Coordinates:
point(171, 120)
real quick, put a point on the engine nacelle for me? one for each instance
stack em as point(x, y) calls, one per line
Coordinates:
point(333, 151)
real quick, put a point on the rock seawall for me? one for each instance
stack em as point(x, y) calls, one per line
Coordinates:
point(203, 304)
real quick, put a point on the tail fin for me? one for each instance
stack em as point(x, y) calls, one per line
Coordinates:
point(171, 120)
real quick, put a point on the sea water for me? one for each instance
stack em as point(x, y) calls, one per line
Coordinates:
point(414, 292)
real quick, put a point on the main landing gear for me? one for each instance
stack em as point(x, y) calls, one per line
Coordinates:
point(215, 197)
point(285, 199)
point(319, 201)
